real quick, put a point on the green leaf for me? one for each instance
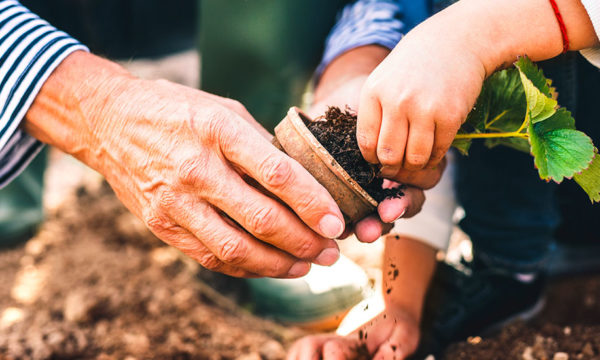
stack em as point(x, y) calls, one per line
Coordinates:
point(501, 106)
point(535, 75)
point(560, 153)
point(517, 108)
point(539, 106)
point(462, 145)
point(561, 119)
point(519, 144)
point(589, 179)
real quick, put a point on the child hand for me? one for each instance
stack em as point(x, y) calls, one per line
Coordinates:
point(390, 335)
point(414, 102)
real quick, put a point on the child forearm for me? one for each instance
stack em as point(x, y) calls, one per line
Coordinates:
point(500, 30)
point(408, 266)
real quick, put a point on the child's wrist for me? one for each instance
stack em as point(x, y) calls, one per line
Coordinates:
point(508, 29)
point(482, 35)
point(395, 310)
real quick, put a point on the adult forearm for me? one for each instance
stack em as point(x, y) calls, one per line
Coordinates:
point(353, 64)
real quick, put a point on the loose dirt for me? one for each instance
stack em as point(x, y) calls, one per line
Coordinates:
point(568, 328)
point(95, 284)
point(336, 131)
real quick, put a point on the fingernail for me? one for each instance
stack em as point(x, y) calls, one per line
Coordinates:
point(331, 226)
point(299, 269)
point(327, 257)
point(401, 214)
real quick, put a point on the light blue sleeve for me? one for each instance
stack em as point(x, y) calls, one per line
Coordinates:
point(372, 22)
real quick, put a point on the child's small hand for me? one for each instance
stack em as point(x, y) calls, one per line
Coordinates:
point(413, 104)
point(390, 335)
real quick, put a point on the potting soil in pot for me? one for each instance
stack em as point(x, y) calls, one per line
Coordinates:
point(336, 131)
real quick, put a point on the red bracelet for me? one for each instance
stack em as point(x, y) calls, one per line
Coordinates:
point(561, 24)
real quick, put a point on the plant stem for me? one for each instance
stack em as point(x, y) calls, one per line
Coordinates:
point(500, 116)
point(525, 122)
point(493, 135)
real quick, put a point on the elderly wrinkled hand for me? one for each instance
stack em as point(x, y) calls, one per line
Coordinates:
point(195, 167)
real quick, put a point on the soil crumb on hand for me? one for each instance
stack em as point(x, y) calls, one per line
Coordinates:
point(336, 131)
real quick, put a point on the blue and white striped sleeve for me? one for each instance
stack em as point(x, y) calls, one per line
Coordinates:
point(30, 49)
point(365, 22)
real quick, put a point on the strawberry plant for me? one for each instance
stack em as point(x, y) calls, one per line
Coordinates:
point(517, 107)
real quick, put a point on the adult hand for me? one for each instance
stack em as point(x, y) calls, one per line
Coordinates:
point(340, 86)
point(183, 160)
point(390, 335)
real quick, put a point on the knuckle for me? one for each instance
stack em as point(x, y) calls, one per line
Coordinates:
point(235, 105)
point(454, 116)
point(233, 251)
point(311, 204)
point(214, 125)
point(306, 249)
point(377, 85)
point(209, 261)
point(428, 108)
point(416, 160)
point(365, 142)
point(388, 155)
point(276, 171)
point(166, 202)
point(280, 267)
point(193, 171)
point(261, 221)
point(277, 268)
point(401, 100)
point(371, 85)
point(159, 224)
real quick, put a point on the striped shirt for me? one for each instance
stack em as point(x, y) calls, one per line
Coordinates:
point(383, 22)
point(30, 49)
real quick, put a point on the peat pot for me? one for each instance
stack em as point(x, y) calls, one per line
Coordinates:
point(293, 137)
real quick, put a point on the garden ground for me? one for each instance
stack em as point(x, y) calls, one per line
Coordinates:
point(95, 284)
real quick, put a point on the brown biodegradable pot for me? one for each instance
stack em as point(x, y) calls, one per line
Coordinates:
point(293, 137)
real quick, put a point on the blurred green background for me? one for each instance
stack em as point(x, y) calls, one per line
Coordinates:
point(263, 52)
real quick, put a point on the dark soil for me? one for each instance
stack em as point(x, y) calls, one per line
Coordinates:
point(336, 131)
point(570, 324)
